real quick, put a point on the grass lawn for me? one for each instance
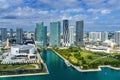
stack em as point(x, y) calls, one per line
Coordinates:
point(8, 67)
point(88, 59)
point(26, 67)
point(0, 61)
point(18, 67)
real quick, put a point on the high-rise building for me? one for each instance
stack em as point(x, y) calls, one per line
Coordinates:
point(104, 36)
point(3, 34)
point(35, 37)
point(55, 34)
point(45, 36)
point(79, 33)
point(98, 36)
point(71, 36)
point(117, 38)
point(40, 34)
point(11, 33)
point(94, 36)
point(19, 36)
point(65, 33)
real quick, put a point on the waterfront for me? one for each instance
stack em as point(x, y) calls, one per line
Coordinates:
point(59, 71)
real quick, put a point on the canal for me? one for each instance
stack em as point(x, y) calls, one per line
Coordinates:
point(59, 71)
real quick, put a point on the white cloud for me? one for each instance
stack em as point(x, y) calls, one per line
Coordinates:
point(4, 4)
point(74, 10)
point(95, 18)
point(60, 3)
point(94, 11)
point(105, 11)
point(55, 10)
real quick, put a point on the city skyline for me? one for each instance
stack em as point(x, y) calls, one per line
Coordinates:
point(25, 13)
point(60, 39)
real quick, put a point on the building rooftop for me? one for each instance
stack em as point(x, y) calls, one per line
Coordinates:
point(23, 47)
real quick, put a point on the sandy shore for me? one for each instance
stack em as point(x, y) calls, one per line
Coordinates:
point(89, 70)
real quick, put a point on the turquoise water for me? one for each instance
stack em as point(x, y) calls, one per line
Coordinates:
point(59, 71)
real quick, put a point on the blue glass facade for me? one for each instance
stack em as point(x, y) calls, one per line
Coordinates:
point(19, 36)
point(45, 36)
point(11, 33)
point(41, 34)
point(55, 34)
point(79, 33)
point(65, 32)
point(3, 34)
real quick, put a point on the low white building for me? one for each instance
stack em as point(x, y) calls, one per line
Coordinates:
point(21, 54)
point(28, 50)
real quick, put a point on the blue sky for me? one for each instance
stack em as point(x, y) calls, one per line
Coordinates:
point(98, 15)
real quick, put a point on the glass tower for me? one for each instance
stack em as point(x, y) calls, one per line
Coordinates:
point(79, 33)
point(65, 33)
point(45, 36)
point(3, 34)
point(55, 34)
point(71, 36)
point(41, 32)
point(19, 36)
point(11, 33)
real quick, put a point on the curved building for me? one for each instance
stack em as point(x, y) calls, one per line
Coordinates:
point(65, 33)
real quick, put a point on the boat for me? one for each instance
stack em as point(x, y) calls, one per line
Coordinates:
point(67, 63)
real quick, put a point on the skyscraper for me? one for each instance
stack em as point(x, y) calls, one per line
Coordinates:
point(98, 36)
point(94, 36)
point(11, 33)
point(117, 38)
point(19, 36)
point(104, 36)
point(3, 34)
point(35, 37)
point(40, 34)
point(55, 34)
point(71, 36)
point(79, 33)
point(65, 33)
point(45, 36)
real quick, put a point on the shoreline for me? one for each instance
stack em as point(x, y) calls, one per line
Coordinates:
point(29, 74)
point(89, 70)
point(19, 75)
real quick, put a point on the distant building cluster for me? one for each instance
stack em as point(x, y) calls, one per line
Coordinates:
point(98, 36)
point(55, 39)
point(60, 34)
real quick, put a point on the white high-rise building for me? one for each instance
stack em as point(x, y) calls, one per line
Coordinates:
point(104, 36)
point(71, 35)
point(117, 38)
point(98, 36)
point(94, 36)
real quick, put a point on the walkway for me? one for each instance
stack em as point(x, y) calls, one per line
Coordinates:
point(97, 59)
